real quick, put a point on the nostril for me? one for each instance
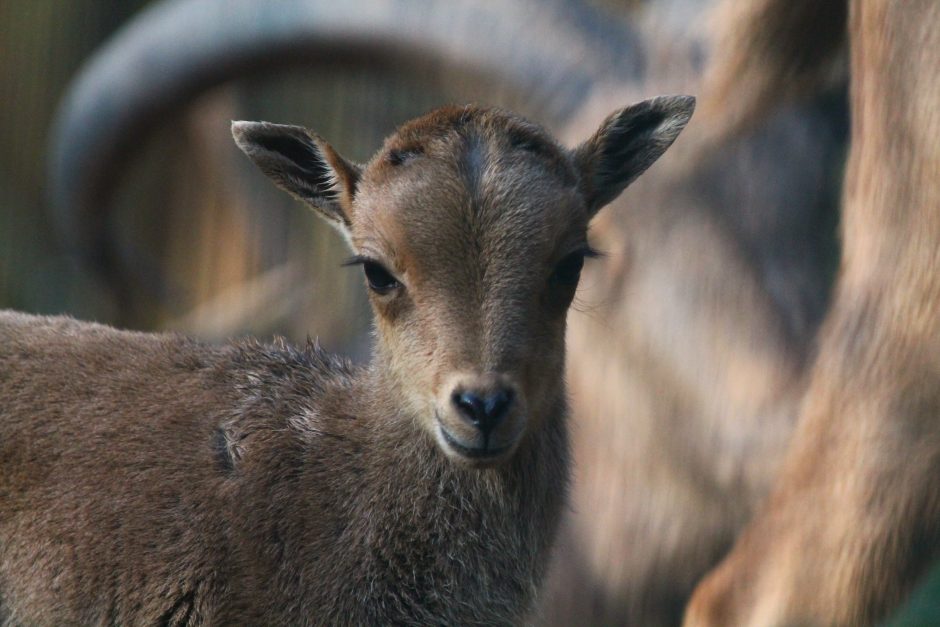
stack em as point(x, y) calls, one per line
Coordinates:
point(470, 405)
point(497, 403)
point(485, 412)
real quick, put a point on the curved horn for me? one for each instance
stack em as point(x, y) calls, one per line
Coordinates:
point(550, 52)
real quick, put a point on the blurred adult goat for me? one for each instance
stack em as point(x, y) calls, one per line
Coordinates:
point(852, 521)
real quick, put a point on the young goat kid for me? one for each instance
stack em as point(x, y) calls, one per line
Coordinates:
point(153, 479)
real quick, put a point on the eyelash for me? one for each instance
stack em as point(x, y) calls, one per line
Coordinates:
point(379, 280)
point(568, 270)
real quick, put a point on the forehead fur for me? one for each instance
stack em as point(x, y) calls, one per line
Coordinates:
point(481, 175)
point(447, 125)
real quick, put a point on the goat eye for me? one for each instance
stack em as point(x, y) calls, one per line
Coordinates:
point(379, 279)
point(568, 270)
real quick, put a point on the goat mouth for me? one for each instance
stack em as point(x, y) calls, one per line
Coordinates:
point(473, 452)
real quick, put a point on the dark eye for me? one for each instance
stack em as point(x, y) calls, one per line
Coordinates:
point(568, 270)
point(379, 279)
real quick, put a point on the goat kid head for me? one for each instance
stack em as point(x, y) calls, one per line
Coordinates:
point(470, 225)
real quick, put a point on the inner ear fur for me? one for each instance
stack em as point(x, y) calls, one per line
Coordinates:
point(304, 165)
point(627, 143)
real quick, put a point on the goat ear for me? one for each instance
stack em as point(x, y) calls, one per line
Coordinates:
point(627, 143)
point(304, 165)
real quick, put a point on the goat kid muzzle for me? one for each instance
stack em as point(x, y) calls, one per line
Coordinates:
point(480, 418)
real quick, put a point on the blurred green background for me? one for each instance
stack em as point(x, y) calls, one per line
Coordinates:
point(42, 43)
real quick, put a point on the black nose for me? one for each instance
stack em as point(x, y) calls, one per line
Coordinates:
point(484, 410)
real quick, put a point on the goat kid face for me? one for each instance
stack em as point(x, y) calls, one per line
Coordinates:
point(471, 228)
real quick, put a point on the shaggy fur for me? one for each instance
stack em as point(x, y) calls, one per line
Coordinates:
point(150, 479)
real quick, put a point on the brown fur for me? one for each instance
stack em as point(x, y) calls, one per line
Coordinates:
point(767, 52)
point(688, 353)
point(150, 478)
point(852, 520)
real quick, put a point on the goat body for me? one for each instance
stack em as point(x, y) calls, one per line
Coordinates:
point(181, 483)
